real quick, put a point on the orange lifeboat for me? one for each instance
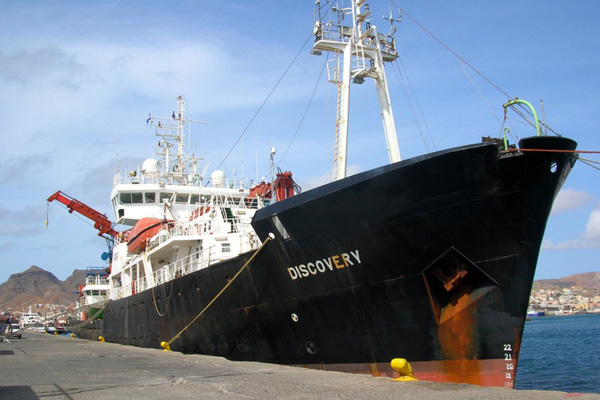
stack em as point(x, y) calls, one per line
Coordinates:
point(143, 230)
point(262, 190)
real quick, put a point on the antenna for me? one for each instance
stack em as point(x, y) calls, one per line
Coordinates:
point(172, 145)
point(391, 19)
point(272, 156)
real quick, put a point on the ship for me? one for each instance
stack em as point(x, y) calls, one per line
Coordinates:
point(92, 294)
point(29, 319)
point(429, 259)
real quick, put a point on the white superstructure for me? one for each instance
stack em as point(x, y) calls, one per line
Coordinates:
point(29, 318)
point(140, 192)
point(204, 221)
point(94, 291)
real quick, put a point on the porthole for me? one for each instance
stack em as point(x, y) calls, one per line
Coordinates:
point(553, 167)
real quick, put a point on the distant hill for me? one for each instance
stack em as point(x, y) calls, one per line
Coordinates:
point(588, 280)
point(37, 286)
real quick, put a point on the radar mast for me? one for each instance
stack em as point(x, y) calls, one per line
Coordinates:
point(359, 53)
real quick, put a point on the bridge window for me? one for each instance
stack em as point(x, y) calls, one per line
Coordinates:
point(136, 198)
point(124, 198)
point(149, 197)
point(164, 196)
point(181, 198)
point(129, 198)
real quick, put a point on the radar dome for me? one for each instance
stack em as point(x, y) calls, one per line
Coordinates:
point(218, 178)
point(151, 167)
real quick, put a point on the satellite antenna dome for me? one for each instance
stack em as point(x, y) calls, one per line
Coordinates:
point(151, 167)
point(218, 178)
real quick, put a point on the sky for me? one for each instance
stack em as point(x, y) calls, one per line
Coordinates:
point(79, 78)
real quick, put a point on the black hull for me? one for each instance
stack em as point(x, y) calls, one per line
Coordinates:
point(431, 259)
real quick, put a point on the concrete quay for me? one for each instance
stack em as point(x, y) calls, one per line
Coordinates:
point(41, 366)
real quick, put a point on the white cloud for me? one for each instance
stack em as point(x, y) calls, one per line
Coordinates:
point(48, 66)
point(22, 222)
point(592, 227)
point(589, 239)
point(571, 199)
point(23, 168)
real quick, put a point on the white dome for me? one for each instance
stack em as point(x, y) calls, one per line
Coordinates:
point(218, 178)
point(150, 167)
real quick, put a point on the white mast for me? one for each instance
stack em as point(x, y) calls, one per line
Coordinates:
point(364, 53)
point(176, 165)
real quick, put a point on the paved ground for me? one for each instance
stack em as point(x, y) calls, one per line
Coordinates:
point(41, 366)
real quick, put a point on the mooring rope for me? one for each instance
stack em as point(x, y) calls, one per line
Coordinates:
point(168, 300)
point(167, 345)
point(589, 162)
point(90, 319)
point(586, 161)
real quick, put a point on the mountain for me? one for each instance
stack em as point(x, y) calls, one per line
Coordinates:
point(37, 286)
point(588, 280)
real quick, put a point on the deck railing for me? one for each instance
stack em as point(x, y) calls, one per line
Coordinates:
point(183, 266)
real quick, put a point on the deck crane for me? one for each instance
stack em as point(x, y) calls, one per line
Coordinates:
point(101, 221)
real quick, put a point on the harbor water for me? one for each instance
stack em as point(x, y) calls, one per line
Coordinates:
point(561, 353)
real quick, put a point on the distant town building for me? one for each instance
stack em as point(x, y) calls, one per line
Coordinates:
point(571, 300)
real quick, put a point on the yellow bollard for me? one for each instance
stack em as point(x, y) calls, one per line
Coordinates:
point(404, 369)
point(101, 339)
point(165, 346)
point(73, 335)
point(56, 333)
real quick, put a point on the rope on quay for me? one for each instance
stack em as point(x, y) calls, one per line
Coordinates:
point(91, 318)
point(167, 345)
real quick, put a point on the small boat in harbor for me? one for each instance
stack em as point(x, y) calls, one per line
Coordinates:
point(29, 319)
point(93, 293)
point(56, 328)
point(535, 313)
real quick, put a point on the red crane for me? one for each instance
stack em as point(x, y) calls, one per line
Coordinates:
point(101, 221)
